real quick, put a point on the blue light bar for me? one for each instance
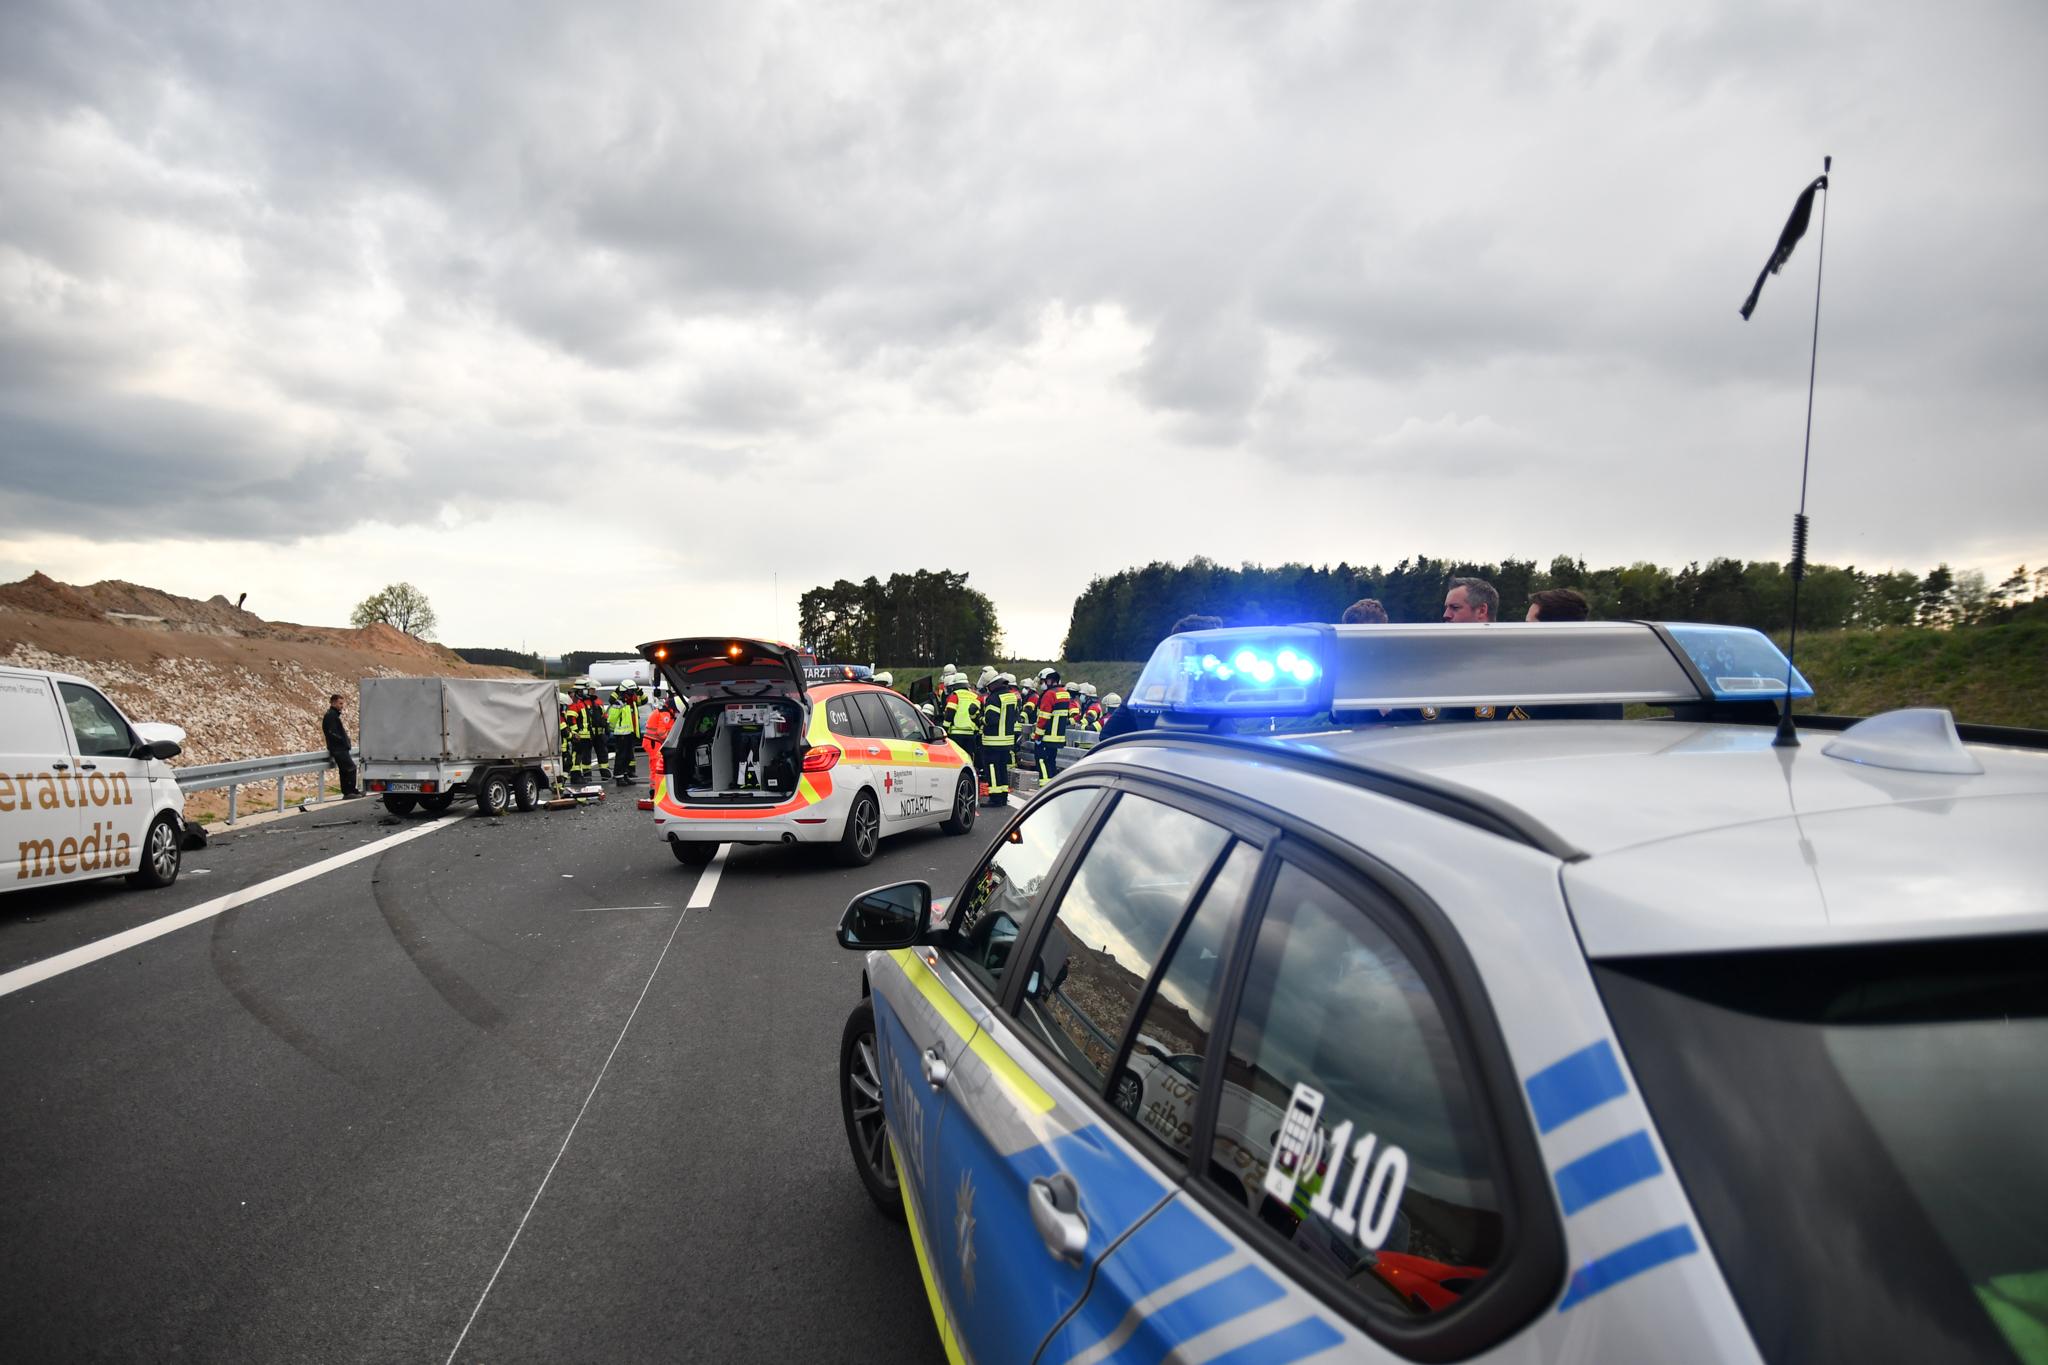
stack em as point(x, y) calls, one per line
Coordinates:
point(1240, 671)
point(1738, 663)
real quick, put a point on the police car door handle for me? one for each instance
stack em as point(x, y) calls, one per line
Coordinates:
point(1056, 1212)
point(936, 1071)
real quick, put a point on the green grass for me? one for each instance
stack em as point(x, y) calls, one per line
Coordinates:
point(1992, 675)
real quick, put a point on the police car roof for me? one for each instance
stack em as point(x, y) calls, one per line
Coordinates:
point(1691, 837)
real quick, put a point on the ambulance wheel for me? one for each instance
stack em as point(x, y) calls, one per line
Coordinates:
point(860, 1103)
point(966, 798)
point(161, 856)
point(863, 833)
point(494, 795)
point(526, 790)
point(400, 803)
point(693, 853)
point(438, 802)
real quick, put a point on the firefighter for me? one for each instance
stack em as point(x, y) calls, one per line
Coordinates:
point(622, 719)
point(1055, 709)
point(1087, 710)
point(999, 712)
point(563, 702)
point(960, 706)
point(584, 732)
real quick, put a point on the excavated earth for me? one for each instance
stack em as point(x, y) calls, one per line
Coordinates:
point(240, 686)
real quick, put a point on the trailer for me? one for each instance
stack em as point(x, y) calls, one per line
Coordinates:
point(428, 741)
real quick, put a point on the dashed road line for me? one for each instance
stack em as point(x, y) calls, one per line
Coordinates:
point(707, 883)
point(36, 972)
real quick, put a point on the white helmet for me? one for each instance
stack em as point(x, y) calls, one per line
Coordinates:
point(1085, 689)
point(988, 675)
point(926, 707)
point(1045, 673)
point(1010, 678)
point(885, 679)
point(1111, 702)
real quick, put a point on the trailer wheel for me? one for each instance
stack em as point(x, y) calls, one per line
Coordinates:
point(526, 790)
point(494, 794)
point(438, 802)
point(400, 803)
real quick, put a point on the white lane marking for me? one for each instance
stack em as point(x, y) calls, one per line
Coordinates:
point(600, 909)
point(23, 977)
point(534, 1203)
point(707, 881)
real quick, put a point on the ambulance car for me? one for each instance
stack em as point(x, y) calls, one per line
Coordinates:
point(1558, 1040)
point(771, 747)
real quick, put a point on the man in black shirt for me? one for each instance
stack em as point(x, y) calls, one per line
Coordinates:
point(338, 746)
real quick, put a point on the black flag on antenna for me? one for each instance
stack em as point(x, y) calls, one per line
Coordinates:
point(1795, 228)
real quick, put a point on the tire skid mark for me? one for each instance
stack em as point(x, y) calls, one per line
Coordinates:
point(453, 988)
point(240, 983)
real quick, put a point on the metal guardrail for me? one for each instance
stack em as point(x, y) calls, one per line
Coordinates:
point(241, 771)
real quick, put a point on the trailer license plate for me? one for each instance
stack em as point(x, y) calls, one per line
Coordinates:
point(401, 786)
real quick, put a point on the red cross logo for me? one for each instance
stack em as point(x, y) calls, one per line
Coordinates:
point(888, 782)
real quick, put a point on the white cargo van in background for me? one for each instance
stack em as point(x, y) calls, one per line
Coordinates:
point(83, 793)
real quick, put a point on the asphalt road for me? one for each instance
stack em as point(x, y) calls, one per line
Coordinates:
point(500, 1085)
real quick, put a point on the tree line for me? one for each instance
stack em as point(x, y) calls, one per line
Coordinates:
point(1123, 615)
point(925, 618)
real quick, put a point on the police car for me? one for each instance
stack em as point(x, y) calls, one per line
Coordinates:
point(1591, 1040)
point(772, 747)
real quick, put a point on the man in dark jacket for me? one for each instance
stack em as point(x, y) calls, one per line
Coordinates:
point(338, 746)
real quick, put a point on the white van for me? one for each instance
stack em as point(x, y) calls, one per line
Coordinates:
point(83, 793)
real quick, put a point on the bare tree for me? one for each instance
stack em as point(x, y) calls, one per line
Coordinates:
point(399, 605)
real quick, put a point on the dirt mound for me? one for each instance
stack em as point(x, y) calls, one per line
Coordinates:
point(240, 686)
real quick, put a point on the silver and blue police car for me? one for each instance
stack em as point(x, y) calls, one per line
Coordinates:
point(1578, 1039)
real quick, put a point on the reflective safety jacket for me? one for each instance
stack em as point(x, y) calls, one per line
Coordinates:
point(999, 719)
point(963, 711)
point(659, 722)
point(623, 717)
point(580, 720)
point(1091, 718)
point(1055, 707)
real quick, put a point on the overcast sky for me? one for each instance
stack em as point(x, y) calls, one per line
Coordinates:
point(599, 321)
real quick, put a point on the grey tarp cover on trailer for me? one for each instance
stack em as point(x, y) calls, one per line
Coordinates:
point(442, 719)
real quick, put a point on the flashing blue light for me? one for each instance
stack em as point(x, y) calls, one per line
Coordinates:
point(1224, 673)
point(1245, 660)
point(1285, 658)
point(1303, 671)
point(1210, 663)
point(1241, 671)
point(1262, 671)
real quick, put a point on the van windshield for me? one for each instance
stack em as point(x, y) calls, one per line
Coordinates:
point(1864, 1133)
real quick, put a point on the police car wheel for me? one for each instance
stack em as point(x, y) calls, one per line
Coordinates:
point(860, 1102)
point(966, 799)
point(526, 790)
point(695, 854)
point(863, 833)
point(161, 856)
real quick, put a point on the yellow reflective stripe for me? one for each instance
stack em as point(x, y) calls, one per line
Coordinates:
point(821, 733)
point(940, 1317)
point(962, 1023)
point(806, 790)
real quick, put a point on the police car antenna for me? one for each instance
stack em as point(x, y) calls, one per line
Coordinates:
point(1795, 228)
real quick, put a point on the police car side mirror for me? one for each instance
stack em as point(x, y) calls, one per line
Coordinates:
point(887, 917)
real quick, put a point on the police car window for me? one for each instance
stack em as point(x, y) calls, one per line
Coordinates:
point(1156, 1086)
point(981, 927)
point(904, 722)
point(100, 730)
point(1113, 920)
point(841, 720)
point(1358, 1121)
point(875, 723)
